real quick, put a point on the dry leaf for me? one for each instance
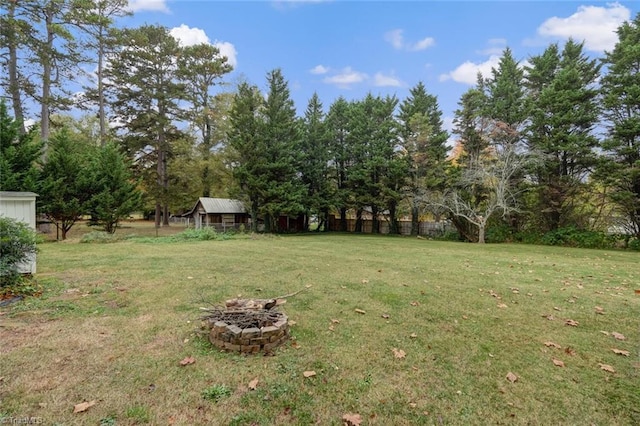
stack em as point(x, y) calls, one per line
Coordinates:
point(549, 317)
point(570, 351)
point(572, 323)
point(413, 405)
point(187, 361)
point(511, 377)
point(414, 303)
point(295, 345)
point(620, 352)
point(292, 323)
point(385, 316)
point(360, 311)
point(637, 291)
point(309, 373)
point(335, 321)
point(607, 367)
point(253, 384)
point(606, 333)
point(280, 302)
point(83, 406)
point(413, 335)
point(502, 305)
point(351, 419)
point(599, 310)
point(331, 328)
point(558, 363)
point(617, 335)
point(399, 353)
point(365, 281)
point(552, 345)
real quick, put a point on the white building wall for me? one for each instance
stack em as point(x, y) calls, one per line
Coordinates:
point(21, 206)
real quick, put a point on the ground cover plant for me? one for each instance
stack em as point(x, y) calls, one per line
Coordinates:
point(388, 330)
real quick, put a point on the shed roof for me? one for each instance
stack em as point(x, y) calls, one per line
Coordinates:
point(17, 194)
point(220, 205)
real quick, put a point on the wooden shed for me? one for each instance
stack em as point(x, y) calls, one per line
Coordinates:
point(221, 213)
point(21, 206)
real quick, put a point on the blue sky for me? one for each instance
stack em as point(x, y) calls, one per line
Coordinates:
point(351, 48)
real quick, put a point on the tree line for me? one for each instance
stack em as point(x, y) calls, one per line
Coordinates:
point(542, 147)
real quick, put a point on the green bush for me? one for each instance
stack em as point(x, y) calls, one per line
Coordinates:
point(17, 245)
point(574, 237)
point(634, 244)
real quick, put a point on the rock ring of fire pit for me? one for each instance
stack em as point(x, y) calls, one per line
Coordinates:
point(247, 330)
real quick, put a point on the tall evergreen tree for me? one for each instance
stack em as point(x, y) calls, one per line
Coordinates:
point(314, 165)
point(424, 142)
point(146, 90)
point(341, 156)
point(621, 102)
point(282, 190)
point(246, 147)
point(201, 67)
point(564, 111)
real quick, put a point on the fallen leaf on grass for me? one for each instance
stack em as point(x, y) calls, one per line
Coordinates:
point(308, 374)
point(558, 363)
point(502, 305)
point(295, 345)
point(331, 328)
point(335, 321)
point(351, 419)
point(83, 406)
point(606, 333)
point(599, 310)
point(620, 352)
point(292, 323)
point(572, 323)
point(414, 303)
point(570, 351)
point(637, 291)
point(607, 367)
point(360, 311)
point(549, 317)
point(413, 335)
point(617, 335)
point(552, 345)
point(512, 377)
point(399, 353)
point(187, 361)
point(365, 281)
point(385, 316)
point(253, 384)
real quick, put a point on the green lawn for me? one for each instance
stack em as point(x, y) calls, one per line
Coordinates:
point(116, 319)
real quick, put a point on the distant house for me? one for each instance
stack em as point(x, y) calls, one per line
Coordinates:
point(221, 213)
point(225, 213)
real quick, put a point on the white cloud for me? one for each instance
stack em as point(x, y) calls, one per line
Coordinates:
point(422, 44)
point(346, 78)
point(319, 69)
point(229, 50)
point(148, 5)
point(396, 39)
point(595, 25)
point(496, 47)
point(468, 71)
point(381, 80)
point(188, 36)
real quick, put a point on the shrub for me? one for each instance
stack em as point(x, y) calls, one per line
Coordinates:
point(574, 237)
point(17, 245)
point(635, 244)
point(99, 237)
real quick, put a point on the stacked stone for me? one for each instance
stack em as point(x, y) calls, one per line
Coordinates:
point(230, 337)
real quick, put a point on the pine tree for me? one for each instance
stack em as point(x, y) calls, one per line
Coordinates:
point(341, 156)
point(564, 111)
point(424, 142)
point(19, 153)
point(621, 102)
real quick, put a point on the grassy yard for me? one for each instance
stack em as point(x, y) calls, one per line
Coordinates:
point(115, 320)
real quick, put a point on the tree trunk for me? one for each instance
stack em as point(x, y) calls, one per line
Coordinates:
point(343, 219)
point(481, 228)
point(415, 219)
point(46, 79)
point(14, 82)
point(158, 214)
point(358, 221)
point(165, 214)
point(101, 106)
point(394, 228)
point(374, 220)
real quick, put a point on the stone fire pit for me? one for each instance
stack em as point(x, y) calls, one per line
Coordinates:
point(248, 325)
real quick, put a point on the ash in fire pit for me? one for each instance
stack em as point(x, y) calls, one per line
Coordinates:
point(248, 325)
